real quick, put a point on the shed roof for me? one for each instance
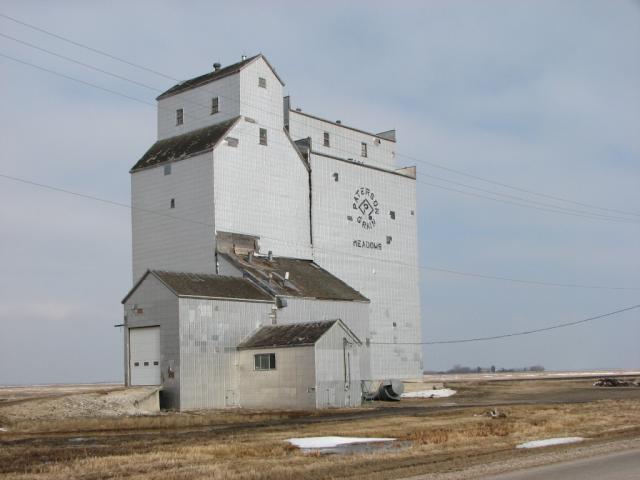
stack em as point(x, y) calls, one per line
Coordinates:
point(306, 278)
point(215, 75)
point(186, 145)
point(206, 286)
point(293, 335)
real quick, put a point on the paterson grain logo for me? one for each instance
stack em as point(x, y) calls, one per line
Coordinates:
point(366, 206)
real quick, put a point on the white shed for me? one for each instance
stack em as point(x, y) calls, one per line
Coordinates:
point(301, 365)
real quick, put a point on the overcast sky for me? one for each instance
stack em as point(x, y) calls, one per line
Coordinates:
point(541, 95)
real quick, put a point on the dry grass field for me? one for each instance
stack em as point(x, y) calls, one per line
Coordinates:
point(435, 436)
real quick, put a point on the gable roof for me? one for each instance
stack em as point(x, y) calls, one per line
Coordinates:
point(206, 286)
point(293, 335)
point(306, 278)
point(215, 75)
point(186, 145)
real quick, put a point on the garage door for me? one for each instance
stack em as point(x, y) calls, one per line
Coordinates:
point(144, 355)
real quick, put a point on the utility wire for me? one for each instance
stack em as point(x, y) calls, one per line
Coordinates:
point(552, 209)
point(514, 334)
point(426, 162)
point(422, 267)
point(86, 47)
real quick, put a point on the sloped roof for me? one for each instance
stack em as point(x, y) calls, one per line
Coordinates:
point(306, 278)
point(206, 286)
point(293, 335)
point(211, 76)
point(186, 145)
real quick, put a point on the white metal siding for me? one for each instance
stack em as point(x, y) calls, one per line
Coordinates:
point(338, 378)
point(196, 105)
point(144, 356)
point(388, 276)
point(153, 304)
point(355, 316)
point(343, 142)
point(180, 238)
point(210, 330)
point(264, 105)
point(264, 191)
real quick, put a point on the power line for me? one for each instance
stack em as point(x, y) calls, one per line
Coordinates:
point(528, 282)
point(423, 267)
point(81, 45)
point(433, 164)
point(552, 209)
point(520, 189)
point(74, 79)
point(514, 334)
point(521, 198)
point(78, 62)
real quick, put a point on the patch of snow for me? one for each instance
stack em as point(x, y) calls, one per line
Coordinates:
point(4, 429)
point(332, 442)
point(438, 393)
point(550, 441)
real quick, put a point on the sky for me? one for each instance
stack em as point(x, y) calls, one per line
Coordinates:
point(541, 95)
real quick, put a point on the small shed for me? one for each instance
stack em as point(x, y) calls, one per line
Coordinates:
point(300, 365)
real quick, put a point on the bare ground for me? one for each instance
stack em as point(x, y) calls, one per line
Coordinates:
point(448, 438)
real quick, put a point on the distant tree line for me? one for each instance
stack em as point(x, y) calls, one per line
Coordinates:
point(492, 369)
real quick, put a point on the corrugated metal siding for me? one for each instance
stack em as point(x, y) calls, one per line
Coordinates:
point(338, 378)
point(290, 385)
point(166, 241)
point(264, 191)
point(354, 314)
point(159, 307)
point(344, 142)
point(209, 333)
point(383, 275)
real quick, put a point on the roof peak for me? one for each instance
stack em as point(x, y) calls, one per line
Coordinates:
point(211, 76)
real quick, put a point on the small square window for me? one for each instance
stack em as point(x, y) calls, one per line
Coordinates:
point(265, 361)
point(156, 363)
point(136, 364)
point(215, 105)
point(350, 218)
point(395, 324)
point(325, 139)
point(388, 240)
point(412, 212)
point(167, 169)
point(363, 149)
point(263, 136)
point(173, 203)
point(146, 364)
point(392, 214)
point(336, 177)
point(262, 82)
point(179, 116)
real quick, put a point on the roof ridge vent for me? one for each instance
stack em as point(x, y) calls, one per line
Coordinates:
point(216, 67)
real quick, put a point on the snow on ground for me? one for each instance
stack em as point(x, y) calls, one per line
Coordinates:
point(550, 441)
point(332, 442)
point(438, 393)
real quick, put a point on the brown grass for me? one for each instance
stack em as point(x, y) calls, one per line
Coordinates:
point(433, 441)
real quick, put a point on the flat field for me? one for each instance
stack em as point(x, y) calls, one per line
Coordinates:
point(437, 438)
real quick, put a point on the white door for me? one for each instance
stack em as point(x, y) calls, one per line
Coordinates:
point(144, 355)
